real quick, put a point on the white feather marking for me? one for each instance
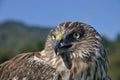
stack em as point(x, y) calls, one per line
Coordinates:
point(74, 55)
point(80, 55)
point(15, 78)
point(24, 78)
point(98, 37)
point(36, 59)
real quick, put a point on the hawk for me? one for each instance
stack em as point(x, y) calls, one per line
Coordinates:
point(73, 51)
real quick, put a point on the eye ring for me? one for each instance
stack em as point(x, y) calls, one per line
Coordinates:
point(76, 35)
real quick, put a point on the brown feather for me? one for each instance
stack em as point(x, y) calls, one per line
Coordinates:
point(28, 67)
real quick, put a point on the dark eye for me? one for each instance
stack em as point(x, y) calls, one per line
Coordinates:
point(76, 35)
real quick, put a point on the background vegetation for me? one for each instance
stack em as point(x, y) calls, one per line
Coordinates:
point(16, 38)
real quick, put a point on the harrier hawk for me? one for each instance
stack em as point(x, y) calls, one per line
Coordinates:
point(73, 51)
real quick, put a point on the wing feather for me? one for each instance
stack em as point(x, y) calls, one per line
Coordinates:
point(27, 67)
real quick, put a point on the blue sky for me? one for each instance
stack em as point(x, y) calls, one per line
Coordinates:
point(103, 15)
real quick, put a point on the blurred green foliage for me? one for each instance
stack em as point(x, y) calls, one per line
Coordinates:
point(113, 50)
point(16, 38)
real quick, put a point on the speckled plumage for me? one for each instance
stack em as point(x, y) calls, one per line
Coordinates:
point(79, 54)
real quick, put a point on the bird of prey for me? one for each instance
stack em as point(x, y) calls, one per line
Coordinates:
point(73, 51)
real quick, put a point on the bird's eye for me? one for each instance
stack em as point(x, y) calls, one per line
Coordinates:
point(53, 37)
point(76, 35)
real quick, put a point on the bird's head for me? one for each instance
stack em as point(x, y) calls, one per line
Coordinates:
point(73, 38)
point(70, 36)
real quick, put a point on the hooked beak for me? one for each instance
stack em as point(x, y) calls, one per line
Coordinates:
point(60, 46)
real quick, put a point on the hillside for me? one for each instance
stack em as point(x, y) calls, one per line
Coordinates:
point(15, 35)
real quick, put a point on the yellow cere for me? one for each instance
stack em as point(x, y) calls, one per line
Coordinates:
point(59, 37)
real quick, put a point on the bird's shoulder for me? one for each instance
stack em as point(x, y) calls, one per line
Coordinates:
point(27, 66)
